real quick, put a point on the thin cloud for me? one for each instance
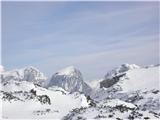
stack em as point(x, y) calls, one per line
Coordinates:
point(93, 37)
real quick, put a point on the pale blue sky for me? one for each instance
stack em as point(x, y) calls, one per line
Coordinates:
point(92, 36)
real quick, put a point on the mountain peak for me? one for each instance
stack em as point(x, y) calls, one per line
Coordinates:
point(129, 66)
point(70, 79)
point(71, 70)
point(121, 69)
point(31, 68)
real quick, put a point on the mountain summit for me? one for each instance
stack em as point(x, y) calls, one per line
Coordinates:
point(121, 69)
point(32, 74)
point(70, 71)
point(69, 79)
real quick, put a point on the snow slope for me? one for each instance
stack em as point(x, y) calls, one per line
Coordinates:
point(141, 79)
point(25, 105)
point(131, 81)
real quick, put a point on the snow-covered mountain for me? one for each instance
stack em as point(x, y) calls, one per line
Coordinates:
point(127, 77)
point(137, 86)
point(30, 74)
point(121, 69)
point(69, 79)
point(139, 79)
point(126, 92)
point(22, 89)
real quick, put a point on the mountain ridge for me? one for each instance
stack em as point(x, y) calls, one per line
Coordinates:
point(128, 92)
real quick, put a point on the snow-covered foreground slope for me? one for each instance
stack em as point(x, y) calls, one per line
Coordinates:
point(19, 101)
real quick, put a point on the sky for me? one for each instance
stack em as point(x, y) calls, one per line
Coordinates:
point(92, 36)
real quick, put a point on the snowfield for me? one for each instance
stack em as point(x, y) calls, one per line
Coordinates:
point(148, 79)
point(61, 102)
point(126, 92)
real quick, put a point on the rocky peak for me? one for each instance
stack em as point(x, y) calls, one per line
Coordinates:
point(70, 79)
point(31, 73)
point(121, 69)
point(69, 71)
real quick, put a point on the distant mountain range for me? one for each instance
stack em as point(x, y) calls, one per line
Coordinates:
point(126, 92)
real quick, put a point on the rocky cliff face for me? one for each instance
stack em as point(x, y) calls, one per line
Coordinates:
point(32, 74)
point(69, 79)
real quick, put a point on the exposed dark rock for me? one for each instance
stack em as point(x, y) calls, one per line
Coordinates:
point(100, 116)
point(146, 118)
point(109, 82)
point(33, 91)
point(44, 99)
point(9, 97)
point(123, 108)
point(110, 116)
point(91, 101)
point(155, 91)
point(118, 119)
